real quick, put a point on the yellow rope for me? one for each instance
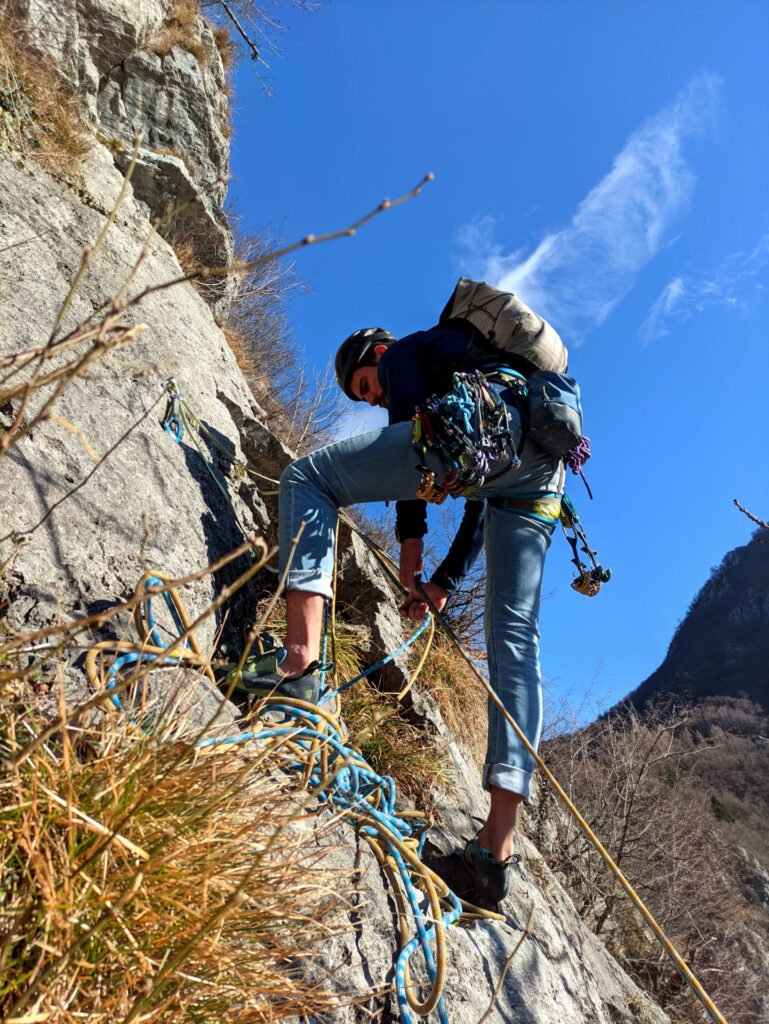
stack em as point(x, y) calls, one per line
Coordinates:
point(680, 963)
point(426, 878)
point(389, 565)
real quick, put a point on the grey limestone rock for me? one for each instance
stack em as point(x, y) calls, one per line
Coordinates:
point(151, 502)
point(133, 84)
point(560, 972)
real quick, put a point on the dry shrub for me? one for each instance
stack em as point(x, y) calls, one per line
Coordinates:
point(302, 408)
point(635, 783)
point(38, 110)
point(145, 878)
point(180, 29)
point(188, 256)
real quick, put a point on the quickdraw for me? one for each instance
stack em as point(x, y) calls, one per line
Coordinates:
point(469, 430)
point(172, 418)
point(588, 579)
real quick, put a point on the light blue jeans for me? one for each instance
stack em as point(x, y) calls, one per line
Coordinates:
point(382, 466)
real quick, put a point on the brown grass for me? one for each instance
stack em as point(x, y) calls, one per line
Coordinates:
point(180, 30)
point(38, 110)
point(391, 745)
point(146, 879)
point(225, 44)
point(459, 695)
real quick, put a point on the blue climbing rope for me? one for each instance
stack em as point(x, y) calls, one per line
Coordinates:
point(342, 778)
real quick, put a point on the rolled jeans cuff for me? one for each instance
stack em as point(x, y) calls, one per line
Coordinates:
point(309, 580)
point(507, 776)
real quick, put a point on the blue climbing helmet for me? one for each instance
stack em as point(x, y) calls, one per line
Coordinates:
point(358, 350)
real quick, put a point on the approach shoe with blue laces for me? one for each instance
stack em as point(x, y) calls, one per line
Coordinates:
point(260, 677)
point(491, 876)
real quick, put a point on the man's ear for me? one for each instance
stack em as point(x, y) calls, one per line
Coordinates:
point(378, 350)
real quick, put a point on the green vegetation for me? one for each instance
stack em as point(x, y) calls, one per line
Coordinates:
point(720, 810)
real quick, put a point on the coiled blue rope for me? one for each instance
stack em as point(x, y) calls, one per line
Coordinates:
point(346, 782)
point(134, 657)
point(351, 786)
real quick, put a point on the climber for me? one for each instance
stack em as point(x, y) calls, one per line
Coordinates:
point(379, 465)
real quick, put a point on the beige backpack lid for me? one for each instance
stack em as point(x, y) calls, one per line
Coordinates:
point(506, 323)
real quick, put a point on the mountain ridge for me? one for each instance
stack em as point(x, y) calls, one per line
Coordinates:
point(721, 646)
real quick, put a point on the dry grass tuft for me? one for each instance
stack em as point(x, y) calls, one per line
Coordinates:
point(226, 45)
point(38, 111)
point(153, 880)
point(391, 745)
point(460, 697)
point(180, 29)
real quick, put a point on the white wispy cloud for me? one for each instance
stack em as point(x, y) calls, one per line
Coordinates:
point(733, 282)
point(576, 275)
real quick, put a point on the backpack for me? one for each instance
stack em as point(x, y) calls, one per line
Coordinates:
point(500, 322)
point(505, 324)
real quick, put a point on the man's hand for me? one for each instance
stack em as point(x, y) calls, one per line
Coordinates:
point(415, 606)
point(410, 561)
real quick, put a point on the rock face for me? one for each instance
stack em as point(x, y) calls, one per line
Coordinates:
point(560, 973)
point(135, 500)
point(153, 502)
point(150, 69)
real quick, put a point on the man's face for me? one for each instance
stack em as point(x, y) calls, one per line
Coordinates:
point(365, 384)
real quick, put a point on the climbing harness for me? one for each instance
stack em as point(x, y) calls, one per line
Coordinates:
point(588, 579)
point(469, 430)
point(544, 507)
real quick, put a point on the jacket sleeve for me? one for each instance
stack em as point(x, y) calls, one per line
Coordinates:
point(400, 375)
point(465, 548)
point(402, 379)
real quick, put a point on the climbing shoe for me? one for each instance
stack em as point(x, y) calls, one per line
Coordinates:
point(491, 876)
point(260, 678)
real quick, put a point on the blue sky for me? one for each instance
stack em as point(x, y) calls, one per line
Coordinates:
point(609, 162)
